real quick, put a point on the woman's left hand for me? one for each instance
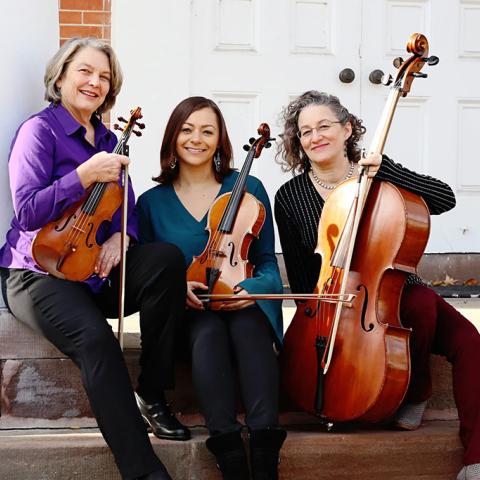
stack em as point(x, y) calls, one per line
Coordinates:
point(373, 162)
point(109, 256)
point(238, 304)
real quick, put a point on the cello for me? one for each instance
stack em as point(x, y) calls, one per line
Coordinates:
point(345, 362)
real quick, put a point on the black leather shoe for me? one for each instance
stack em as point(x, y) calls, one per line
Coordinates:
point(161, 420)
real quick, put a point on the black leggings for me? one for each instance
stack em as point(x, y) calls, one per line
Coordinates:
point(73, 319)
point(227, 345)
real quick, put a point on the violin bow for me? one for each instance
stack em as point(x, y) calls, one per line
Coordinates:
point(123, 149)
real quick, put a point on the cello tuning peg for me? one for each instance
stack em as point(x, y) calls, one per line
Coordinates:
point(387, 80)
point(137, 133)
point(246, 148)
point(141, 126)
point(432, 60)
point(116, 126)
point(121, 119)
point(251, 140)
point(397, 62)
point(419, 75)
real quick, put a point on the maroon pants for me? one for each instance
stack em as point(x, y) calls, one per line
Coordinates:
point(440, 329)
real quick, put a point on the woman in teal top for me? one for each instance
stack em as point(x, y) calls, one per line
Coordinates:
point(238, 341)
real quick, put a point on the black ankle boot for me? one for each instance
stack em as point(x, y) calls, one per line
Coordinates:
point(265, 446)
point(230, 453)
point(160, 474)
point(161, 420)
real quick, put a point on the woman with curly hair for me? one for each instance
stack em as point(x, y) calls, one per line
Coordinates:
point(320, 144)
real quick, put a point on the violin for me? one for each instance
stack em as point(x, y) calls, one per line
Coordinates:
point(234, 220)
point(67, 248)
point(352, 362)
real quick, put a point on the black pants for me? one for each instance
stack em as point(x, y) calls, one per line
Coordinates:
point(73, 319)
point(227, 345)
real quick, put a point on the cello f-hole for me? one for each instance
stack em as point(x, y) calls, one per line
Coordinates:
point(364, 309)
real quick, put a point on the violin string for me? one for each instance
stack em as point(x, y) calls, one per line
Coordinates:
point(77, 230)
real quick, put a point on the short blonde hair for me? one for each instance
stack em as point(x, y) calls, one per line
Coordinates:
point(58, 64)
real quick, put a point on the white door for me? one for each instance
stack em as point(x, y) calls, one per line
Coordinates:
point(436, 127)
point(254, 56)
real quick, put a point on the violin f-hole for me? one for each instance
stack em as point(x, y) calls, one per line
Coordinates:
point(233, 262)
point(59, 228)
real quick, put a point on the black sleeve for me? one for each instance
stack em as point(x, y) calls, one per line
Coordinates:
point(438, 196)
point(303, 267)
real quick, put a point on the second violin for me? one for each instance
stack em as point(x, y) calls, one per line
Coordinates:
point(234, 220)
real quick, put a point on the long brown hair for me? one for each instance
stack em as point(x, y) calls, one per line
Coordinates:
point(178, 117)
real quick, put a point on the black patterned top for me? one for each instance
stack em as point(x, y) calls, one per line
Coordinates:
point(298, 207)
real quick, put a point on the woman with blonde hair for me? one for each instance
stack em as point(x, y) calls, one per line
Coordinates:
point(56, 156)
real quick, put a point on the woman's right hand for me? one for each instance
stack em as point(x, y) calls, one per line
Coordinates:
point(192, 299)
point(102, 167)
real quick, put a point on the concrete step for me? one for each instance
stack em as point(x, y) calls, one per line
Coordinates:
point(41, 388)
point(431, 453)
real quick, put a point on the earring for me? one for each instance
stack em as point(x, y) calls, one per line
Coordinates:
point(173, 163)
point(217, 161)
point(345, 150)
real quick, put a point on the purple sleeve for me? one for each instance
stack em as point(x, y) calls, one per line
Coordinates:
point(36, 200)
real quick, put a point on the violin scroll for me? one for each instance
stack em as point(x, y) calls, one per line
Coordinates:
point(135, 115)
point(262, 142)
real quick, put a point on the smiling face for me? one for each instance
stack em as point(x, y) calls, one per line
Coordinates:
point(198, 138)
point(85, 83)
point(322, 136)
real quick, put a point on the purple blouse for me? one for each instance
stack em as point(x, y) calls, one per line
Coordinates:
point(45, 153)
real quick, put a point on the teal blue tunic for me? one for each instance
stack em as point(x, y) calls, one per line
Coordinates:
point(163, 217)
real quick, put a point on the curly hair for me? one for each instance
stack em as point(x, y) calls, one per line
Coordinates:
point(290, 153)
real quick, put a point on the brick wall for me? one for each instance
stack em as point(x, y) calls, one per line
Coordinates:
point(84, 18)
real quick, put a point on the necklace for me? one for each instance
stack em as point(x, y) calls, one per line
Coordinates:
point(331, 187)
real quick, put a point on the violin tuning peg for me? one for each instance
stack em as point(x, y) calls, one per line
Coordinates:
point(397, 62)
point(268, 145)
point(432, 60)
point(271, 139)
point(246, 148)
point(116, 126)
point(419, 75)
point(137, 133)
point(141, 126)
point(121, 119)
point(251, 140)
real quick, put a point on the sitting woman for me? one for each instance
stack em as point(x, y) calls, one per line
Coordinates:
point(320, 143)
point(56, 156)
point(239, 340)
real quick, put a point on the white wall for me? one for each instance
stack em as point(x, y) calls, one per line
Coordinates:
point(29, 36)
